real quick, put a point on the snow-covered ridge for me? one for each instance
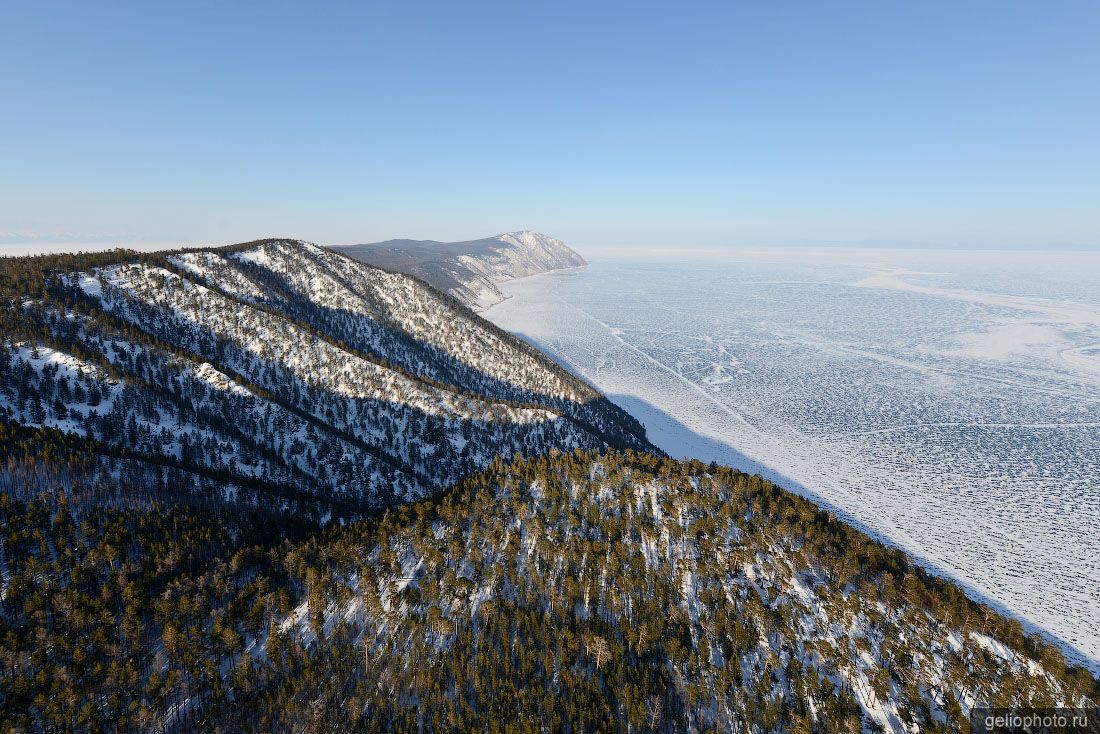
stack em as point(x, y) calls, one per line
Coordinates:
point(283, 361)
point(470, 271)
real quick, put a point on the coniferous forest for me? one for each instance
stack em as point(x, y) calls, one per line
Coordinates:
point(268, 488)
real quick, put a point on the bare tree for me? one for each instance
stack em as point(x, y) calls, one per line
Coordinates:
point(599, 649)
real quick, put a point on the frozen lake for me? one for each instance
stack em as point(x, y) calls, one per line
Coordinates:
point(948, 402)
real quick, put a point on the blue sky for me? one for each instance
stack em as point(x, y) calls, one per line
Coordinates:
point(705, 124)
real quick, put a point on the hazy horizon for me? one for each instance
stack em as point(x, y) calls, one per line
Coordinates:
point(590, 252)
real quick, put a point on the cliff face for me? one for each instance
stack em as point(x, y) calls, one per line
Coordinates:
point(470, 271)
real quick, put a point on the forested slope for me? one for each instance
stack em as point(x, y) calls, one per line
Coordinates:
point(571, 592)
point(268, 488)
point(279, 362)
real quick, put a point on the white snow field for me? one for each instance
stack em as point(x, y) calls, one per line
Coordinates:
point(947, 402)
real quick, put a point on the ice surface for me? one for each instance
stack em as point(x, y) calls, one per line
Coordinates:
point(948, 402)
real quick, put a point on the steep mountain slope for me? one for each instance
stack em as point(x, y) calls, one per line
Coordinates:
point(470, 271)
point(575, 591)
point(277, 362)
point(572, 592)
point(222, 509)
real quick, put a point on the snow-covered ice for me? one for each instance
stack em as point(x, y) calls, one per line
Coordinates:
point(948, 402)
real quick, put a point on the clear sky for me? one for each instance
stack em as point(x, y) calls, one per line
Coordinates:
point(704, 124)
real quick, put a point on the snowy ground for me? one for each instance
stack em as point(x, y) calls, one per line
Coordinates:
point(949, 402)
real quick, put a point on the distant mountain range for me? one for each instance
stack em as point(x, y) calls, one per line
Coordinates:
point(470, 271)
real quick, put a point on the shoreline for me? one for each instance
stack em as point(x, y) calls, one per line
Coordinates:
point(682, 437)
